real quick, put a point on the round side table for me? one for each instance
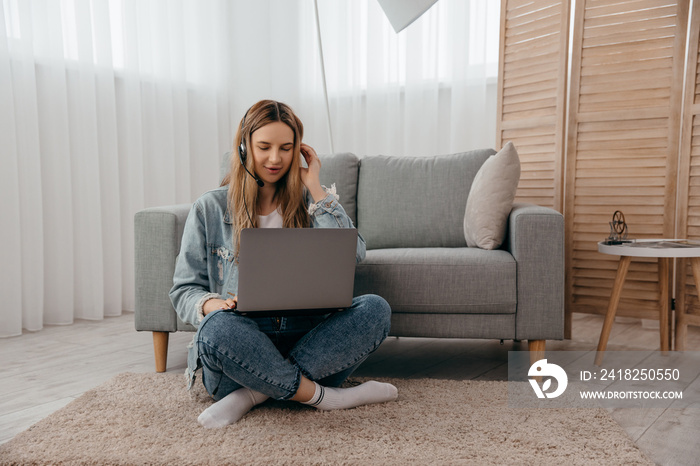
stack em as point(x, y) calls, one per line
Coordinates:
point(665, 250)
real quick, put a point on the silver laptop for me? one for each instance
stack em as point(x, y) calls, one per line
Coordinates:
point(295, 271)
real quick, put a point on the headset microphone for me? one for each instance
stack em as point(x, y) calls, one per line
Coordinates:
point(242, 157)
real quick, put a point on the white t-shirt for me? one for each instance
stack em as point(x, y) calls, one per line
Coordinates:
point(272, 220)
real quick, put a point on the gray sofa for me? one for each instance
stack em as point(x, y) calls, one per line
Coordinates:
point(410, 212)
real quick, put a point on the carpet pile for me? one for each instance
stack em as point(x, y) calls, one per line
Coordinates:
point(152, 419)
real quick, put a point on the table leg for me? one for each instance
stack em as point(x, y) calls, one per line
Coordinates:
point(622, 268)
point(681, 321)
point(665, 299)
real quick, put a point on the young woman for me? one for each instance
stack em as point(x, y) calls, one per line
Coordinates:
point(246, 360)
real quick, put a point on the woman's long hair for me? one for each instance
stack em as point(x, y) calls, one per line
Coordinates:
point(243, 192)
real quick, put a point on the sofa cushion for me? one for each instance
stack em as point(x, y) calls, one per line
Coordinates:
point(342, 169)
point(405, 202)
point(491, 199)
point(440, 280)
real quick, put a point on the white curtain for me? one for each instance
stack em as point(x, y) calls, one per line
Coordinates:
point(107, 107)
point(111, 106)
point(430, 89)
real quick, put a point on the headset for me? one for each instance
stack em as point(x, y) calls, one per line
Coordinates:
point(243, 152)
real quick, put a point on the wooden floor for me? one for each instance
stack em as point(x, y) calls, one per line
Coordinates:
point(47, 370)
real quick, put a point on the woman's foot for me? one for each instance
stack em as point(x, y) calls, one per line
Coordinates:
point(230, 408)
point(326, 398)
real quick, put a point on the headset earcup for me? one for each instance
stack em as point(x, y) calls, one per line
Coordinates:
point(242, 153)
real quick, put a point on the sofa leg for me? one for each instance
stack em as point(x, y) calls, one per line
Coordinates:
point(160, 347)
point(536, 348)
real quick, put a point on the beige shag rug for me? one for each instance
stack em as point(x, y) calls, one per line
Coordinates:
point(152, 419)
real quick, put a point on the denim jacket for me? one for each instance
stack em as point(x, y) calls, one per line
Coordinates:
point(206, 268)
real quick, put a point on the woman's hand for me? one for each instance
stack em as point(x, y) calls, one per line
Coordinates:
point(310, 175)
point(214, 304)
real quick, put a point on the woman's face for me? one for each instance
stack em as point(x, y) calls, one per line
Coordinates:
point(273, 150)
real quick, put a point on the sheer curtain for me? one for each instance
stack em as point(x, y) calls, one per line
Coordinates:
point(111, 106)
point(107, 107)
point(430, 89)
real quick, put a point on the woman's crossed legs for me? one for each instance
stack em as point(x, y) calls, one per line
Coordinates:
point(243, 366)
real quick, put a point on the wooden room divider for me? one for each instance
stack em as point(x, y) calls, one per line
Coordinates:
point(623, 140)
point(687, 303)
point(620, 118)
point(532, 94)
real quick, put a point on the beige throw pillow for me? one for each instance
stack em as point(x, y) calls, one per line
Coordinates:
point(491, 199)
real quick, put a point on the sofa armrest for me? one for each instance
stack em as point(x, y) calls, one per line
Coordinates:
point(536, 240)
point(157, 236)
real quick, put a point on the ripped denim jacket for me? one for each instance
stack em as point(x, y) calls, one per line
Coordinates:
point(206, 267)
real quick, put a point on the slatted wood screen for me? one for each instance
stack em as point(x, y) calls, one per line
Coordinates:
point(689, 181)
point(532, 94)
point(623, 141)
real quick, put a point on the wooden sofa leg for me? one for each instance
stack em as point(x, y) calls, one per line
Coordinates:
point(536, 348)
point(160, 347)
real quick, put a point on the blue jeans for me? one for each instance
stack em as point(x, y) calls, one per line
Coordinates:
point(270, 355)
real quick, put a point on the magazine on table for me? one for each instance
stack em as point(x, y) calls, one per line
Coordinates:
point(665, 244)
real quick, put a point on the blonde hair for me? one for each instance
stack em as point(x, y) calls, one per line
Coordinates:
point(243, 193)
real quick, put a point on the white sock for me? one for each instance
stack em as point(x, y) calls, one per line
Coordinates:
point(326, 398)
point(230, 408)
